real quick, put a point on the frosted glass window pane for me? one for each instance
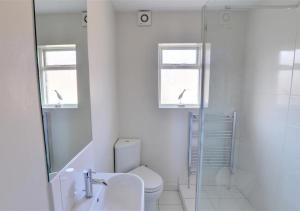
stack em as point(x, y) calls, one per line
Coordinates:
point(60, 58)
point(174, 81)
point(179, 56)
point(65, 83)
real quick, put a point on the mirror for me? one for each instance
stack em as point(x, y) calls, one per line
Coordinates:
point(62, 58)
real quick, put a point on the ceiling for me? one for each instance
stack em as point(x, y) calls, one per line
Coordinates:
point(158, 4)
point(192, 4)
point(67, 6)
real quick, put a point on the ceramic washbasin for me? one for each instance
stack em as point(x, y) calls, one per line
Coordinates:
point(124, 192)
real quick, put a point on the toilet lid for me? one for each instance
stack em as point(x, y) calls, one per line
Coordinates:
point(152, 181)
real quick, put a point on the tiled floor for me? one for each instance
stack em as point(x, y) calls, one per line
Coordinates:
point(215, 198)
point(170, 201)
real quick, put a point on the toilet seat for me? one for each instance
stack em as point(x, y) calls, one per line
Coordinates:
point(152, 181)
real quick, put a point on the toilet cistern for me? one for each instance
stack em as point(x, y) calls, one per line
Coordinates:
point(89, 182)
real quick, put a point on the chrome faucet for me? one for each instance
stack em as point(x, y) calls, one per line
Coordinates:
point(89, 182)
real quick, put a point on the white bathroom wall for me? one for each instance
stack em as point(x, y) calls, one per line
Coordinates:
point(269, 148)
point(70, 130)
point(66, 183)
point(22, 160)
point(164, 131)
point(103, 82)
point(291, 147)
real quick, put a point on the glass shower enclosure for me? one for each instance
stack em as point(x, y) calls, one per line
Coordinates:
point(244, 146)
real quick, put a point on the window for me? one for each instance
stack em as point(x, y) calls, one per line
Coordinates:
point(58, 76)
point(179, 74)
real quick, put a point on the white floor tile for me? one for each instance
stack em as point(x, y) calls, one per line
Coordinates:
point(215, 198)
point(190, 193)
point(205, 205)
point(170, 198)
point(170, 208)
point(249, 208)
point(221, 192)
point(236, 195)
point(231, 204)
point(186, 192)
point(189, 204)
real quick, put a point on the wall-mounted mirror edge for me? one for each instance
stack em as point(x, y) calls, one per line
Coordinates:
point(63, 73)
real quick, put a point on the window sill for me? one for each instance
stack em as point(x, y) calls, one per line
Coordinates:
point(53, 107)
point(173, 106)
point(179, 106)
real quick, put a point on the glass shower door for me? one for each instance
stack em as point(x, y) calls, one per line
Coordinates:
point(243, 131)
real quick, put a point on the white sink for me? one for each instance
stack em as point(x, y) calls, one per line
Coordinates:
point(124, 192)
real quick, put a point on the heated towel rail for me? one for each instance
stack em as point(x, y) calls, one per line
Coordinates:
point(219, 143)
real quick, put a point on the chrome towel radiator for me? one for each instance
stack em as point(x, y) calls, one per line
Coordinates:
point(219, 143)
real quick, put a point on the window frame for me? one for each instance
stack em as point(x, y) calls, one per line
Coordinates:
point(161, 66)
point(42, 49)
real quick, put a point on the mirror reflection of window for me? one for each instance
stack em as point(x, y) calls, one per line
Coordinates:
point(62, 53)
point(58, 76)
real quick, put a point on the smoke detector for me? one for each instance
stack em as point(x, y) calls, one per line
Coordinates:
point(144, 18)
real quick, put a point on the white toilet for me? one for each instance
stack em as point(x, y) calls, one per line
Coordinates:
point(128, 160)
